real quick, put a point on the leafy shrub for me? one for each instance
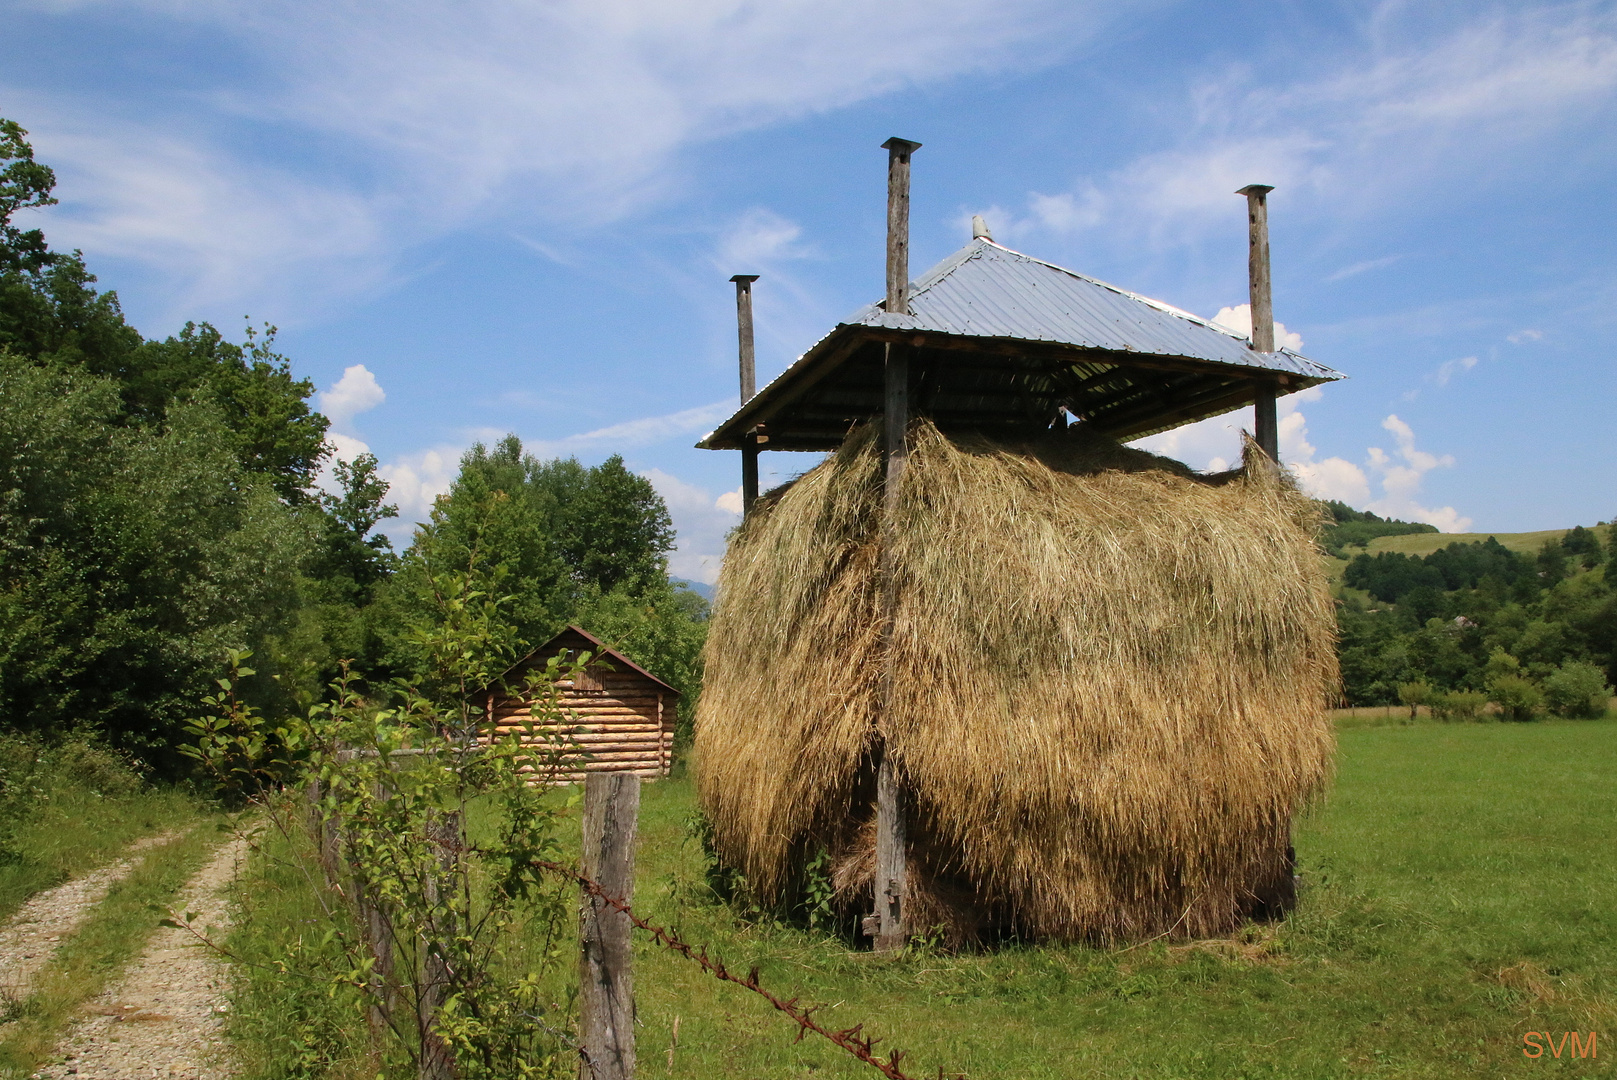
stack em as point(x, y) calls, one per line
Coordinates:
point(1517, 696)
point(1458, 705)
point(35, 770)
point(1577, 690)
point(1414, 694)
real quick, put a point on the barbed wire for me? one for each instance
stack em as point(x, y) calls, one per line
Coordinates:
point(849, 1039)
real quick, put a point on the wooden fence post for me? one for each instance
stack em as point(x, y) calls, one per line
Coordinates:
point(437, 1057)
point(605, 974)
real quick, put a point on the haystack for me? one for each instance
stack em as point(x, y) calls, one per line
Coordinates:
point(1109, 680)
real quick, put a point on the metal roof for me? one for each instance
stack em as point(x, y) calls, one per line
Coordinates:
point(1005, 341)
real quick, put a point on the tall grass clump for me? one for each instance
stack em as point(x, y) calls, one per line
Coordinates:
point(1109, 678)
point(69, 804)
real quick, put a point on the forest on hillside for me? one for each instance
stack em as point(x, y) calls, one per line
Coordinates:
point(1476, 622)
point(159, 506)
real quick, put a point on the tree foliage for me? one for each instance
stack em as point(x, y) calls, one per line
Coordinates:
point(1452, 618)
point(130, 556)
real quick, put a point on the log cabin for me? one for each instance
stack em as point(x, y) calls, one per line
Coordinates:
point(615, 715)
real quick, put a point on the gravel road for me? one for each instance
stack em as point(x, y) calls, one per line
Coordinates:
point(33, 933)
point(162, 1019)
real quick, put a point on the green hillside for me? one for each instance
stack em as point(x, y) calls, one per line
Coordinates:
point(1525, 543)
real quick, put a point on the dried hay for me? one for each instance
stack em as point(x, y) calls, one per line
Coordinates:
point(1109, 681)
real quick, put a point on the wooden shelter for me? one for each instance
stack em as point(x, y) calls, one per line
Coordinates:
point(992, 344)
point(616, 715)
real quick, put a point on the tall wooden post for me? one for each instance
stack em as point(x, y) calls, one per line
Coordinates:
point(891, 882)
point(1267, 427)
point(605, 975)
point(898, 223)
point(892, 876)
point(749, 387)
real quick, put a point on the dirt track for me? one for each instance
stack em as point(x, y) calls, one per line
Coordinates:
point(162, 1018)
point(30, 937)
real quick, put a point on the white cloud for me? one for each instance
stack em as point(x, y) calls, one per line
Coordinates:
point(356, 392)
point(1399, 474)
point(415, 480)
point(1239, 319)
point(1332, 478)
point(1213, 444)
point(1522, 337)
point(1209, 445)
point(420, 477)
point(702, 523)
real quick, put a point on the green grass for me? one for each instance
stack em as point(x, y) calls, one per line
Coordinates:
point(1460, 891)
point(109, 939)
point(69, 806)
point(78, 830)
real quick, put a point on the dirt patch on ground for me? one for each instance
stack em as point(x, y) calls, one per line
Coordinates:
point(32, 935)
point(163, 1018)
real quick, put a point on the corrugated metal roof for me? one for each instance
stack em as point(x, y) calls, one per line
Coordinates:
point(987, 290)
point(1001, 340)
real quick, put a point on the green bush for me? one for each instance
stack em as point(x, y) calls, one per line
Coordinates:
point(1577, 690)
point(1414, 694)
point(1458, 705)
point(1517, 696)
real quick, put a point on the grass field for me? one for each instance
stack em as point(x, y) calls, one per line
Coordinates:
point(1459, 891)
point(71, 809)
point(1527, 543)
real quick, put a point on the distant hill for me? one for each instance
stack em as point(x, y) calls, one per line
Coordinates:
point(704, 591)
point(1526, 543)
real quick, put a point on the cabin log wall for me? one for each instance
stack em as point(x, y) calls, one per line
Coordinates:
point(625, 726)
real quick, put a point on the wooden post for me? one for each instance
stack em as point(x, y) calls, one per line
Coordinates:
point(749, 387)
point(437, 1060)
point(605, 975)
point(891, 880)
point(1266, 420)
point(1267, 431)
point(898, 223)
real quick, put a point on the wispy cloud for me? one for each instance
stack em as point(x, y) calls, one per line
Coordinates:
point(1387, 124)
point(641, 432)
point(1522, 337)
point(1363, 267)
point(446, 109)
point(217, 227)
point(1442, 376)
point(1449, 368)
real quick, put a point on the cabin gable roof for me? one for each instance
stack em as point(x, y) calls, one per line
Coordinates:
point(575, 639)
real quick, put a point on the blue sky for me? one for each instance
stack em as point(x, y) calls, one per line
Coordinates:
point(495, 216)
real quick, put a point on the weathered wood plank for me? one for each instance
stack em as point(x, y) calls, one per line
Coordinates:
point(605, 974)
